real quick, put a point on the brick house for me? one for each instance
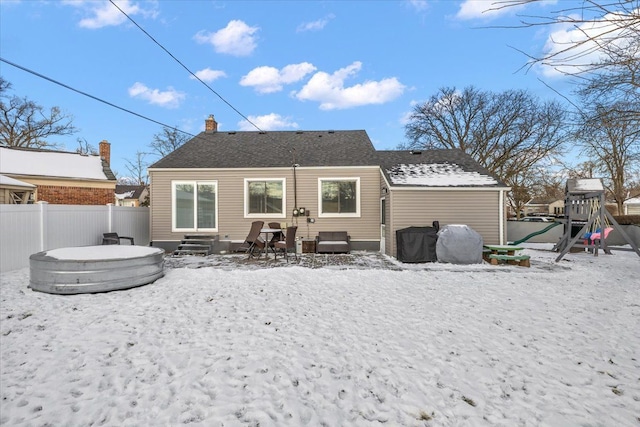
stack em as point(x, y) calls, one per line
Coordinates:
point(60, 177)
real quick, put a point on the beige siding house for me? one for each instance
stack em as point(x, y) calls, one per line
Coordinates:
point(556, 208)
point(220, 182)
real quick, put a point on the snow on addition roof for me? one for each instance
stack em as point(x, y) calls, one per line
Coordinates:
point(5, 180)
point(50, 164)
point(127, 195)
point(437, 175)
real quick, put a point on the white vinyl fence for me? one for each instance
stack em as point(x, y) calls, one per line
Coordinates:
point(27, 229)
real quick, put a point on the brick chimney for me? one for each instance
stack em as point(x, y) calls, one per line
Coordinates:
point(105, 151)
point(210, 124)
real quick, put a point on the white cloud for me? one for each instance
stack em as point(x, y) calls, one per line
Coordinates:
point(105, 14)
point(485, 9)
point(269, 79)
point(405, 117)
point(315, 25)
point(170, 98)
point(267, 122)
point(208, 75)
point(419, 5)
point(492, 9)
point(236, 39)
point(330, 91)
point(581, 44)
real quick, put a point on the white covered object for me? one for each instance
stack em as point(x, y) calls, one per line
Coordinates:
point(459, 244)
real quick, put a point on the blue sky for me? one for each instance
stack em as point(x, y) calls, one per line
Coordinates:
point(285, 65)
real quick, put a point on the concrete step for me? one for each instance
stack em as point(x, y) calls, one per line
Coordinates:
point(197, 242)
point(202, 252)
point(200, 236)
point(194, 246)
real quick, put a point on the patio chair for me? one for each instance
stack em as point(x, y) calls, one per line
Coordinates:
point(276, 236)
point(287, 244)
point(114, 239)
point(253, 242)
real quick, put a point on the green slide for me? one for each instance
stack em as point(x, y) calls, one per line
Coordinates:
point(537, 233)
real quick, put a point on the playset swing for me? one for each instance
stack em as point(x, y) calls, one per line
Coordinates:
point(596, 231)
point(584, 208)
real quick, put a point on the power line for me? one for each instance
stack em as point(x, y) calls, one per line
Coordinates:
point(92, 96)
point(42, 76)
point(184, 66)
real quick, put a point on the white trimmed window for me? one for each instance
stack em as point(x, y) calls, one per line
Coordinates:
point(339, 197)
point(264, 197)
point(194, 205)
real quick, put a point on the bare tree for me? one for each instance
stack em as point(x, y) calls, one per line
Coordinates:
point(509, 133)
point(23, 123)
point(137, 169)
point(618, 79)
point(611, 139)
point(167, 141)
point(603, 53)
point(84, 147)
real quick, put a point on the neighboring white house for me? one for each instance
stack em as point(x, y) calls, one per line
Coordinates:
point(632, 206)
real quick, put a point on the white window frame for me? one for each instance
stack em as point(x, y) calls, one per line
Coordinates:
point(355, 214)
point(263, 215)
point(195, 210)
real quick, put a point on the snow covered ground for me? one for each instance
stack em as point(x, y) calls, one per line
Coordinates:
point(221, 342)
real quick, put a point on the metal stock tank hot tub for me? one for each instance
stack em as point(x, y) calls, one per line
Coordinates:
point(90, 269)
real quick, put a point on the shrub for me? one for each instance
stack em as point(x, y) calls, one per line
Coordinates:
point(627, 219)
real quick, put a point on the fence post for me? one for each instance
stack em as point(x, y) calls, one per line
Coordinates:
point(43, 225)
point(110, 210)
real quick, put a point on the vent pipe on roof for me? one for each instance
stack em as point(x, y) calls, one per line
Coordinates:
point(415, 152)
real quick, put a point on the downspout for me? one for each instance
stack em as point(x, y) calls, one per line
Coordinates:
point(295, 187)
point(295, 193)
point(502, 215)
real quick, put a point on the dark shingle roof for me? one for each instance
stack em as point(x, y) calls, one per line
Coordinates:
point(107, 171)
point(135, 190)
point(273, 149)
point(216, 150)
point(437, 168)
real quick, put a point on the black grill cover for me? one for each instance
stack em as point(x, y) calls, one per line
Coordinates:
point(417, 244)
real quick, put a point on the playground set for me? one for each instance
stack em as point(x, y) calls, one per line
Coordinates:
point(584, 209)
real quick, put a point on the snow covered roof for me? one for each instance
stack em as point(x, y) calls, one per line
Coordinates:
point(633, 201)
point(584, 185)
point(435, 168)
point(10, 182)
point(54, 164)
point(437, 175)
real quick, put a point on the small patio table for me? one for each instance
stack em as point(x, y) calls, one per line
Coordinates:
point(266, 232)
